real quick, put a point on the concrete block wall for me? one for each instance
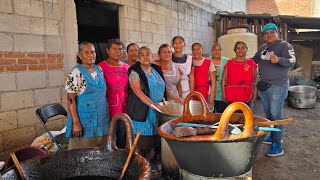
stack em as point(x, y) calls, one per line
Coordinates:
point(39, 44)
point(32, 72)
point(281, 7)
point(153, 22)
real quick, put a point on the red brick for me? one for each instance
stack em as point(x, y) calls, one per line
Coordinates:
point(47, 61)
point(55, 66)
point(13, 55)
point(282, 7)
point(28, 61)
point(8, 61)
point(16, 68)
point(53, 56)
point(37, 67)
point(36, 55)
point(1, 68)
point(59, 60)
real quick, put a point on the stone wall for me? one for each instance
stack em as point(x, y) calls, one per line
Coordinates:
point(39, 44)
point(32, 68)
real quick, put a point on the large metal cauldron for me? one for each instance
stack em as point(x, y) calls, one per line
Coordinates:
point(302, 97)
point(170, 169)
point(221, 154)
point(91, 163)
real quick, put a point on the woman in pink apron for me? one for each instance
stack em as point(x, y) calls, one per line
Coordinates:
point(116, 75)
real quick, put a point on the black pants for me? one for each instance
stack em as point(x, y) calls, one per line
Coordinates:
point(219, 106)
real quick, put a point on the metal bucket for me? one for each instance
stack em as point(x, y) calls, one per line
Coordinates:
point(221, 154)
point(169, 166)
point(91, 163)
point(302, 97)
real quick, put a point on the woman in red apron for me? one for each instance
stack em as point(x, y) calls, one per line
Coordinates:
point(240, 77)
point(204, 71)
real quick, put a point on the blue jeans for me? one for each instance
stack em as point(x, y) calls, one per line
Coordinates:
point(273, 99)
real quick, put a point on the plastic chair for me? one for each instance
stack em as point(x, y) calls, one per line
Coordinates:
point(46, 112)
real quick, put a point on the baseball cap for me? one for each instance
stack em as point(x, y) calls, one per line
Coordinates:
point(270, 26)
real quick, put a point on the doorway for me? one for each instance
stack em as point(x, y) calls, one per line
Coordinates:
point(97, 23)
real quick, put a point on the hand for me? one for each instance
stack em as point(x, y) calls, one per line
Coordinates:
point(179, 100)
point(77, 129)
point(159, 106)
point(211, 101)
point(274, 59)
point(224, 98)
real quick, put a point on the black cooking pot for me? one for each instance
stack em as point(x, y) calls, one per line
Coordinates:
point(91, 163)
point(221, 154)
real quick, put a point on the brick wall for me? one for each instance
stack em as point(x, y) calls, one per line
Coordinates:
point(32, 70)
point(281, 7)
point(14, 61)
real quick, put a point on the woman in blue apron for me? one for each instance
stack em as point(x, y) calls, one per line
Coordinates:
point(88, 117)
point(147, 88)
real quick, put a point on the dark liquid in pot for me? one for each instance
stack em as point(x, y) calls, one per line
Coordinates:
point(89, 177)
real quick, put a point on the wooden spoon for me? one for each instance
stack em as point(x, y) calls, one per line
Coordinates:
point(130, 155)
point(18, 166)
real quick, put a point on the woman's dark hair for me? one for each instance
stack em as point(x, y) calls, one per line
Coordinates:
point(197, 43)
point(132, 44)
point(81, 45)
point(164, 46)
point(144, 48)
point(114, 41)
point(217, 44)
point(176, 37)
point(240, 42)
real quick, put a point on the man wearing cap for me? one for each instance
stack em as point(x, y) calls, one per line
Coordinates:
point(275, 60)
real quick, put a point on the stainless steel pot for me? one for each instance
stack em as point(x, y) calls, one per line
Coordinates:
point(302, 97)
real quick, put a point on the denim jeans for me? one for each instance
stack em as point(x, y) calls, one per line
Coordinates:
point(273, 99)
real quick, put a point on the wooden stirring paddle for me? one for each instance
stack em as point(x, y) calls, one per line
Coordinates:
point(130, 155)
point(18, 166)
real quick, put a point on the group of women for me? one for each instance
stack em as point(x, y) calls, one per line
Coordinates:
point(136, 86)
